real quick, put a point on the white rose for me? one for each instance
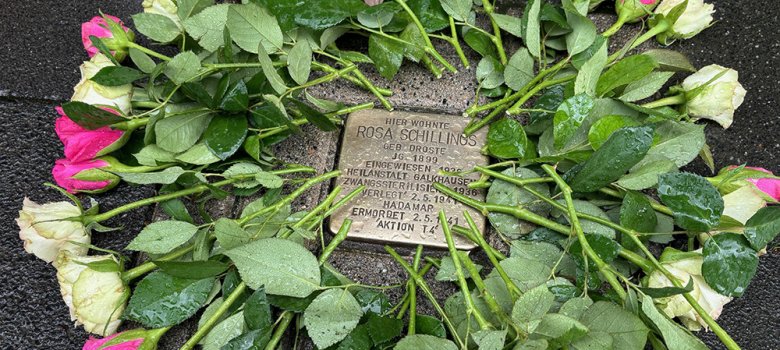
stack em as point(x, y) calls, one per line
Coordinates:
point(696, 17)
point(720, 98)
point(88, 91)
point(165, 8)
point(96, 299)
point(686, 266)
point(45, 230)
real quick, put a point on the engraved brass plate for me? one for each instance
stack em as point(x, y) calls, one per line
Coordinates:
point(397, 156)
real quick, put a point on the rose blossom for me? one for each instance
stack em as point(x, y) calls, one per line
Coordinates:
point(82, 144)
point(696, 17)
point(114, 34)
point(89, 176)
point(46, 231)
point(90, 92)
point(719, 99)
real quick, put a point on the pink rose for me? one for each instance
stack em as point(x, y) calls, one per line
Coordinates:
point(116, 39)
point(769, 186)
point(96, 344)
point(83, 144)
point(84, 176)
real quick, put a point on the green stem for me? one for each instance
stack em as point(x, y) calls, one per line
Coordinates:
point(144, 104)
point(464, 287)
point(475, 126)
point(324, 79)
point(149, 52)
point(214, 319)
point(337, 239)
point(150, 266)
point(412, 286)
point(427, 291)
point(131, 124)
point(656, 206)
point(328, 69)
point(405, 305)
point(429, 45)
point(614, 28)
point(496, 31)
point(666, 101)
point(456, 44)
point(371, 87)
point(514, 290)
point(515, 109)
point(294, 194)
point(637, 259)
point(575, 223)
point(286, 318)
point(658, 29)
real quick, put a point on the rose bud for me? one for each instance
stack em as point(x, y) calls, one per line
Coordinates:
point(769, 185)
point(112, 32)
point(96, 298)
point(90, 92)
point(686, 266)
point(50, 228)
point(714, 92)
point(165, 8)
point(696, 17)
point(82, 144)
point(127, 340)
point(92, 176)
point(632, 10)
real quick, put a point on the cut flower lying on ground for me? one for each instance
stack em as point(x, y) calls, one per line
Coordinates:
point(586, 144)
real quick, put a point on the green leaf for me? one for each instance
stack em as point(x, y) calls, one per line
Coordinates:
point(229, 234)
point(697, 205)
point(624, 149)
point(254, 339)
point(378, 16)
point(165, 177)
point(387, 54)
point(156, 27)
point(519, 71)
point(533, 35)
point(560, 330)
point(583, 32)
point(142, 60)
point(208, 26)
point(637, 214)
point(188, 8)
point(480, 43)
point(424, 342)
point(251, 25)
point(223, 332)
point(525, 273)
point(509, 24)
point(763, 227)
point(602, 129)
point(534, 344)
point(180, 132)
point(161, 300)
point(430, 13)
point(490, 339)
point(331, 317)
point(590, 70)
point(320, 15)
point(645, 87)
point(666, 292)
point(645, 174)
point(546, 253)
point(490, 73)
point(675, 337)
point(276, 81)
point(669, 60)
point(729, 263)
point(505, 193)
point(569, 116)
point(183, 67)
point(447, 271)
point(192, 269)
point(431, 326)
point(283, 267)
point(530, 307)
point(236, 99)
point(89, 117)
point(225, 135)
point(627, 330)
point(163, 236)
point(372, 301)
point(257, 311)
point(606, 249)
point(506, 139)
point(314, 116)
point(358, 339)
point(624, 72)
point(299, 62)
point(383, 329)
point(117, 75)
point(199, 154)
point(457, 9)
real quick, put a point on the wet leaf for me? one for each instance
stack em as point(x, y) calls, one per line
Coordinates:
point(763, 227)
point(424, 342)
point(506, 139)
point(331, 317)
point(161, 300)
point(505, 193)
point(569, 116)
point(696, 204)
point(225, 135)
point(729, 263)
point(163, 236)
point(636, 213)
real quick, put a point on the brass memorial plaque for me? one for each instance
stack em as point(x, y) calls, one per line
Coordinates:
point(397, 156)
